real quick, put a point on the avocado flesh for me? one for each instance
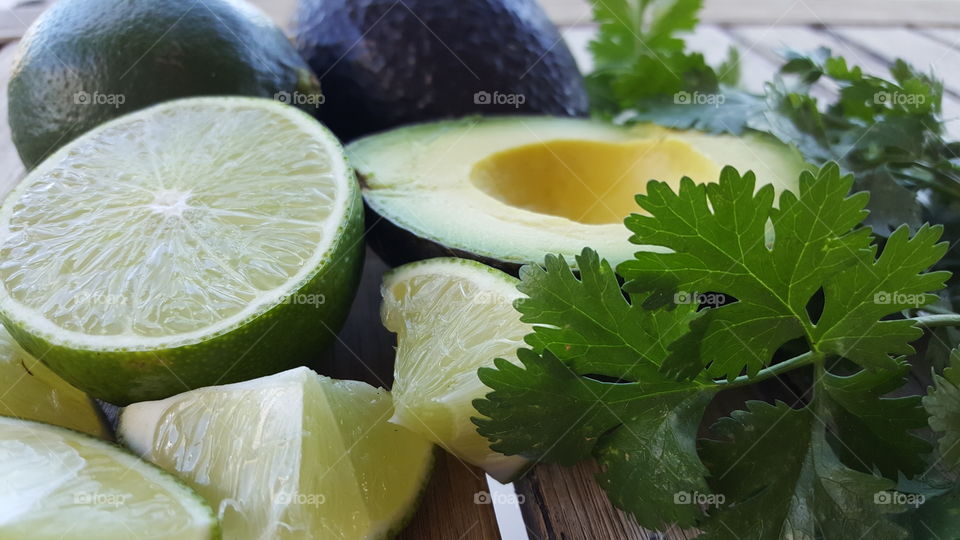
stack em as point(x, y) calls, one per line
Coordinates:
point(509, 190)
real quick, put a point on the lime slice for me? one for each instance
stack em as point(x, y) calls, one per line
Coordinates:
point(313, 458)
point(58, 484)
point(29, 390)
point(451, 317)
point(197, 242)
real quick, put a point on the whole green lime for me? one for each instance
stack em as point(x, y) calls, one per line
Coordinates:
point(84, 62)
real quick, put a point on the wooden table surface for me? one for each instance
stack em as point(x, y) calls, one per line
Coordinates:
point(565, 502)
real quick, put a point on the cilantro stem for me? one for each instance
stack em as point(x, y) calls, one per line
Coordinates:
point(791, 364)
point(936, 321)
point(811, 357)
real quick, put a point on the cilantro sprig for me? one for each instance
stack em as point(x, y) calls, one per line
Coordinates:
point(639, 56)
point(624, 374)
point(888, 131)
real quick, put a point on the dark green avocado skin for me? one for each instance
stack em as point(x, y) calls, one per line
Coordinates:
point(146, 51)
point(385, 63)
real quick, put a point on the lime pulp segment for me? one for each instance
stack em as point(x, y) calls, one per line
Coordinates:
point(58, 484)
point(451, 316)
point(316, 458)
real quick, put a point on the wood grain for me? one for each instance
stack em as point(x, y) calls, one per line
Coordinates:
point(11, 169)
point(939, 13)
point(16, 15)
point(567, 503)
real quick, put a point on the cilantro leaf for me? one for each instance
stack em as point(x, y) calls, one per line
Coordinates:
point(560, 404)
point(873, 431)
point(859, 296)
point(774, 461)
point(717, 233)
point(728, 110)
point(943, 403)
point(634, 28)
point(938, 518)
point(622, 339)
point(637, 53)
point(539, 383)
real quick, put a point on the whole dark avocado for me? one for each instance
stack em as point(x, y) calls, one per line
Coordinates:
point(385, 63)
point(84, 62)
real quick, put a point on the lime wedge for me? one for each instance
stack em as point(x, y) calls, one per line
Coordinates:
point(196, 242)
point(29, 390)
point(451, 316)
point(59, 483)
point(293, 455)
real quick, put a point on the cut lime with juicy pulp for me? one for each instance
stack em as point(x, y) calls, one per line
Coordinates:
point(196, 242)
point(451, 316)
point(293, 455)
point(59, 483)
point(29, 390)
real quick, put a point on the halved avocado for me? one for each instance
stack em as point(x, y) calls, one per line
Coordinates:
point(508, 190)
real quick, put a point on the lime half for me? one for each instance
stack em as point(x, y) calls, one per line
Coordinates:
point(196, 242)
point(29, 390)
point(58, 483)
point(451, 316)
point(293, 455)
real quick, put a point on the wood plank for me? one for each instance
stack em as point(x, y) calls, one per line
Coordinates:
point(765, 63)
point(714, 42)
point(939, 13)
point(449, 510)
point(578, 39)
point(567, 502)
point(11, 169)
point(16, 15)
point(889, 44)
point(948, 36)
point(804, 38)
point(853, 12)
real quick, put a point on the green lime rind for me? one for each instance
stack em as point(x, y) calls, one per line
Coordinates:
point(30, 391)
point(281, 338)
point(398, 526)
point(170, 484)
